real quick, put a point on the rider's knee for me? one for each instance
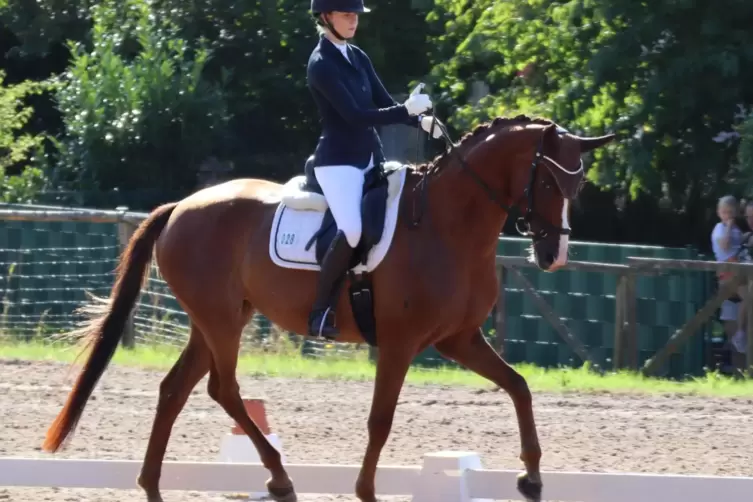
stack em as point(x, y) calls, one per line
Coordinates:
point(352, 231)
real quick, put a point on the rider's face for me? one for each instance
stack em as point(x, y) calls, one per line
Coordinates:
point(345, 23)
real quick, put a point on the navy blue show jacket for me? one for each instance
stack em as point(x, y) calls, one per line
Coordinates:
point(352, 100)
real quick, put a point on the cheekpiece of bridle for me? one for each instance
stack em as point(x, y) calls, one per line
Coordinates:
point(523, 220)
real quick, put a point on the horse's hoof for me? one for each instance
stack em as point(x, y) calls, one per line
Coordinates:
point(529, 489)
point(282, 494)
point(367, 498)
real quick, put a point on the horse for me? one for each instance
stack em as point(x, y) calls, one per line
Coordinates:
point(435, 284)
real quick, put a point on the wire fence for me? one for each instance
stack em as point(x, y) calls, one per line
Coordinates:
point(608, 309)
point(49, 269)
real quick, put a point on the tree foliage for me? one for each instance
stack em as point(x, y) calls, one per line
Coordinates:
point(21, 178)
point(136, 109)
point(41, 25)
point(667, 77)
point(744, 165)
point(671, 78)
point(259, 49)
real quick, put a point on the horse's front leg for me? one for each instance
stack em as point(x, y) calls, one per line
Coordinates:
point(393, 363)
point(473, 351)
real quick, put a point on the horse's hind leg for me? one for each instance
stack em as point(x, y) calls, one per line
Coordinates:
point(174, 391)
point(223, 388)
point(474, 352)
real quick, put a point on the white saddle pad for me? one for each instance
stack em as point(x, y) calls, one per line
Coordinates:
point(299, 216)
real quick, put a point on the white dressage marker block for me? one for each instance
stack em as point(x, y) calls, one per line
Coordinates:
point(444, 477)
point(239, 449)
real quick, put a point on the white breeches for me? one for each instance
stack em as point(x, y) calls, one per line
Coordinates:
point(343, 189)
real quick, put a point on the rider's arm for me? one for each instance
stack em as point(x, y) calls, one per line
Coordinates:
point(382, 98)
point(326, 79)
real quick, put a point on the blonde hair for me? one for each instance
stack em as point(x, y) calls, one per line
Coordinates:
point(320, 28)
point(727, 201)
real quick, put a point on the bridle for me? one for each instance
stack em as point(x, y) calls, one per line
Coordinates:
point(523, 220)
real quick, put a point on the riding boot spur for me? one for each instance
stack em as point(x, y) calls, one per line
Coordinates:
point(333, 269)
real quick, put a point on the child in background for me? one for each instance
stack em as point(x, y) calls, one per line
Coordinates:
point(727, 243)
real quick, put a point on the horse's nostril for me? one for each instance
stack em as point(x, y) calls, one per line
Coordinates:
point(549, 257)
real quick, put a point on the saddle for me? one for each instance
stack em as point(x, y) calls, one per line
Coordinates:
point(373, 214)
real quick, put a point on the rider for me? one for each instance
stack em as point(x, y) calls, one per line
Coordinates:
point(352, 101)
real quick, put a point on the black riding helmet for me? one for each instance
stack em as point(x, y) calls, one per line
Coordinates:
point(320, 6)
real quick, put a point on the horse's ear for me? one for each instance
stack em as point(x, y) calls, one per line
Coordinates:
point(588, 144)
point(550, 135)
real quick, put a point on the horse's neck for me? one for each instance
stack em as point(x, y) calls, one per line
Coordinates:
point(463, 213)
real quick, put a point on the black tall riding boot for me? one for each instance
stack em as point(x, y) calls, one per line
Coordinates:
point(334, 267)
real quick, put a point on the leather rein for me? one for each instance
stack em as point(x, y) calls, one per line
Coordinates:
point(523, 220)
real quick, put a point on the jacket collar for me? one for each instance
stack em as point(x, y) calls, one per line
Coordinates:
point(329, 49)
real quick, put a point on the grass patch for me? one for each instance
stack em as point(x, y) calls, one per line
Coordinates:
point(290, 364)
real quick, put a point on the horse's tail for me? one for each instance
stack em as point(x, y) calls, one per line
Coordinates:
point(105, 331)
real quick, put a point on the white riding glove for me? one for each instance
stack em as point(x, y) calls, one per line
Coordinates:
point(426, 124)
point(418, 104)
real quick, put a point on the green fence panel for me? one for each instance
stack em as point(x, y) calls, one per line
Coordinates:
point(45, 269)
point(585, 303)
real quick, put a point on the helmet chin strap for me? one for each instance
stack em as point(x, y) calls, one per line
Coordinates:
point(331, 28)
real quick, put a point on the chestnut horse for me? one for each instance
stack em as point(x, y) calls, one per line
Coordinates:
point(435, 287)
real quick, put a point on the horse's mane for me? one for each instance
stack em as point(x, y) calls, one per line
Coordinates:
point(473, 137)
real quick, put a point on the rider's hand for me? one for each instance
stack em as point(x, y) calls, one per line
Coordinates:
point(426, 124)
point(418, 104)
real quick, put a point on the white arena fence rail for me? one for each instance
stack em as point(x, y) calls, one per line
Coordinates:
point(444, 477)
